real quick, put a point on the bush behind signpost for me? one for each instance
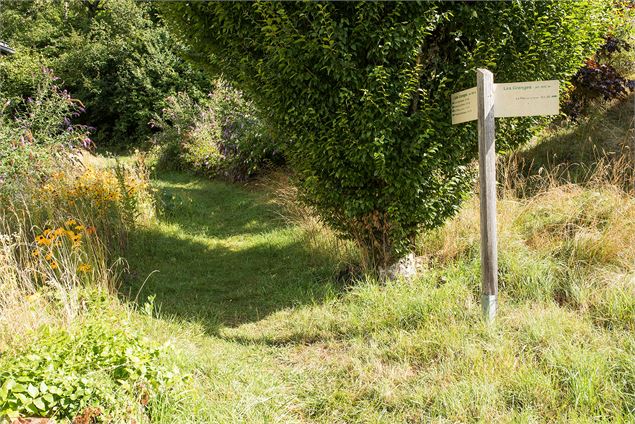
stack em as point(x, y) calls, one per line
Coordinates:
point(362, 92)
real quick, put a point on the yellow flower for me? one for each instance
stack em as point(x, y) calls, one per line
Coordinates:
point(84, 268)
point(48, 256)
point(79, 227)
point(42, 241)
point(59, 231)
point(70, 222)
point(53, 265)
point(35, 253)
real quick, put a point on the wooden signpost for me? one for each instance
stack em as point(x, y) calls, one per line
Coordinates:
point(485, 102)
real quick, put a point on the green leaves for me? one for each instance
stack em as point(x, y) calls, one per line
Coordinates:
point(361, 91)
point(120, 62)
point(63, 373)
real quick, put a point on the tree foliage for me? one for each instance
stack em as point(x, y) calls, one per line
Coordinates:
point(362, 91)
point(114, 55)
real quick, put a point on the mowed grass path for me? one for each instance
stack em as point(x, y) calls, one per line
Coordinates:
point(267, 336)
point(221, 255)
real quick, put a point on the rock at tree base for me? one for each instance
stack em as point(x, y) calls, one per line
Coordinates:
point(405, 268)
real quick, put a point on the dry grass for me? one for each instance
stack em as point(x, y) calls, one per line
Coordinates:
point(36, 291)
point(58, 243)
point(317, 236)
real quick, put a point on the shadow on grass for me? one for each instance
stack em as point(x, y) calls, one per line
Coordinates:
point(605, 135)
point(222, 256)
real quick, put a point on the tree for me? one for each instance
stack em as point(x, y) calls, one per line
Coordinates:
point(113, 55)
point(362, 92)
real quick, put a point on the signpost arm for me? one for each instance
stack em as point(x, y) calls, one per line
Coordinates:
point(487, 181)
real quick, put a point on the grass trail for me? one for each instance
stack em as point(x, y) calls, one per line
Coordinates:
point(267, 336)
point(221, 255)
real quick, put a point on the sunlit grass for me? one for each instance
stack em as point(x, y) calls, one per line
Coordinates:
point(247, 290)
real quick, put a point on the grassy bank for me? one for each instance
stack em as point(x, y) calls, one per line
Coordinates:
point(270, 334)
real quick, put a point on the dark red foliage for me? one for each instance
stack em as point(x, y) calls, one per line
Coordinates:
point(598, 80)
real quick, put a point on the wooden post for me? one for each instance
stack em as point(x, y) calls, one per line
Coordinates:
point(487, 180)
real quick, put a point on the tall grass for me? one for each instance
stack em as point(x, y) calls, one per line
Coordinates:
point(316, 235)
point(68, 348)
point(37, 291)
point(59, 240)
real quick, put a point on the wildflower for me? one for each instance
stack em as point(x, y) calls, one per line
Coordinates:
point(35, 253)
point(91, 230)
point(58, 232)
point(54, 265)
point(42, 241)
point(70, 222)
point(48, 256)
point(79, 227)
point(84, 268)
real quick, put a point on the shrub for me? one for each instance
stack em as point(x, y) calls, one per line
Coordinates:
point(36, 135)
point(66, 347)
point(361, 91)
point(221, 137)
point(114, 55)
point(599, 79)
point(102, 369)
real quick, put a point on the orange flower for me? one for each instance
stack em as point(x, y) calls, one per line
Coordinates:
point(84, 268)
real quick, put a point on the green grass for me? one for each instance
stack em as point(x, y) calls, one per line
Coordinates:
point(258, 320)
point(573, 152)
point(222, 255)
point(268, 337)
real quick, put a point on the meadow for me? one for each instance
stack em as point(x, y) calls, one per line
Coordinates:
point(232, 303)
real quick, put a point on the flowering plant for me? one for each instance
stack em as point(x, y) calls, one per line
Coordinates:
point(37, 135)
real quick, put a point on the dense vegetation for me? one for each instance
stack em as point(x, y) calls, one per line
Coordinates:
point(134, 292)
point(115, 56)
point(361, 92)
point(219, 137)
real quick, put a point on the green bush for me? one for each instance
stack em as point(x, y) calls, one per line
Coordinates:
point(220, 137)
point(102, 364)
point(362, 93)
point(114, 55)
point(36, 134)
